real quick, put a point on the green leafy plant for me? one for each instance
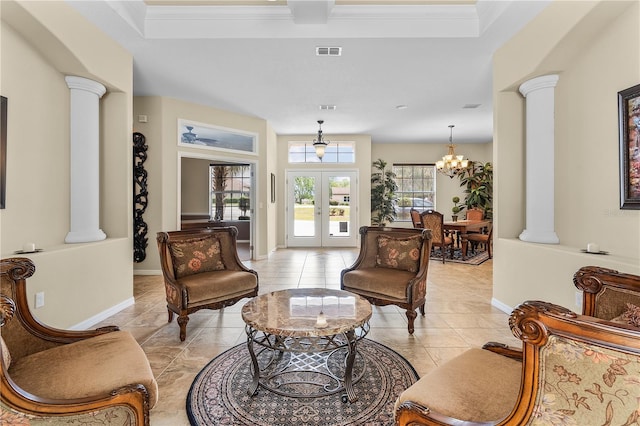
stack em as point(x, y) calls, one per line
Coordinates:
point(383, 194)
point(457, 208)
point(478, 181)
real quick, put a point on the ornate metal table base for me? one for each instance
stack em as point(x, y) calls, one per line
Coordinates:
point(306, 367)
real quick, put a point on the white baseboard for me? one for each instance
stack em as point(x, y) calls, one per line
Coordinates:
point(90, 322)
point(503, 307)
point(147, 272)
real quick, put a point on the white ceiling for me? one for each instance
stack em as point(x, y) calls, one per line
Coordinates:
point(258, 58)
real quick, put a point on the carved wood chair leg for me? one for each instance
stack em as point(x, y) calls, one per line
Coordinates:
point(422, 309)
point(182, 322)
point(411, 316)
point(170, 315)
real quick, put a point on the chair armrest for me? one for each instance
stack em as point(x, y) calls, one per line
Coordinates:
point(129, 402)
point(504, 350)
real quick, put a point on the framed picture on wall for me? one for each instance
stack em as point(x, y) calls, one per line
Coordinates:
point(629, 134)
point(199, 135)
point(3, 151)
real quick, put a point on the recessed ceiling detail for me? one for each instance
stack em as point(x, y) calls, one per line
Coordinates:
point(471, 106)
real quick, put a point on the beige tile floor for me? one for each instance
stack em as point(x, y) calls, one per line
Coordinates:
point(459, 315)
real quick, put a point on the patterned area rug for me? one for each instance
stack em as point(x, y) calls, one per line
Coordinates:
point(218, 395)
point(472, 258)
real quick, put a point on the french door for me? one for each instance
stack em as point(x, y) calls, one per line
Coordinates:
point(321, 208)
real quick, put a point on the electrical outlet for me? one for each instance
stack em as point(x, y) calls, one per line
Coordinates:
point(40, 299)
point(579, 300)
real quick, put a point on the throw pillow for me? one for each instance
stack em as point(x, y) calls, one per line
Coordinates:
point(399, 253)
point(196, 255)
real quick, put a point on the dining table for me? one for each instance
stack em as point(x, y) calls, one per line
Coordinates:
point(462, 227)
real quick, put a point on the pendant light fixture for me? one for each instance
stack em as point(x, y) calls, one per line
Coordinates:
point(452, 164)
point(320, 144)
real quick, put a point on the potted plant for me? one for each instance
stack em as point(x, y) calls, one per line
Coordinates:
point(383, 194)
point(478, 181)
point(244, 205)
point(457, 208)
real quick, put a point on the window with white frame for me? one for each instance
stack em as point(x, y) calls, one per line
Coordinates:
point(416, 188)
point(336, 152)
point(230, 191)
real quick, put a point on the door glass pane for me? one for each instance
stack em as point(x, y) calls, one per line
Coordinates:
point(339, 201)
point(304, 206)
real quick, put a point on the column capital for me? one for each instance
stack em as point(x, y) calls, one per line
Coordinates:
point(85, 84)
point(537, 83)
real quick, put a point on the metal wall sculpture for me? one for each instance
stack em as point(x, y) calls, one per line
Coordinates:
point(140, 193)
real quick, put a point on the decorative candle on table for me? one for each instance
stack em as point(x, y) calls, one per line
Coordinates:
point(593, 248)
point(321, 320)
point(29, 247)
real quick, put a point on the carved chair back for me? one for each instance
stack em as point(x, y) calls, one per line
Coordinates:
point(415, 218)
point(434, 221)
point(475, 213)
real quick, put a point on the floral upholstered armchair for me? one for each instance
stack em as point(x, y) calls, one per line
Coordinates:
point(391, 268)
point(51, 376)
point(575, 370)
point(202, 270)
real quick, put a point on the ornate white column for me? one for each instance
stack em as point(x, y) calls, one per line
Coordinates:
point(540, 143)
point(85, 160)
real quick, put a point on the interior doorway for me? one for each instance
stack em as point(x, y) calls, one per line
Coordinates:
point(321, 208)
point(216, 192)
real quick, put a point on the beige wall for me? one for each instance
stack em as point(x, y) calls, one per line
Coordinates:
point(161, 132)
point(594, 47)
point(42, 42)
point(446, 188)
point(195, 186)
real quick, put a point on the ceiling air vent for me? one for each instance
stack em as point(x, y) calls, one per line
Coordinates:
point(471, 106)
point(327, 107)
point(328, 51)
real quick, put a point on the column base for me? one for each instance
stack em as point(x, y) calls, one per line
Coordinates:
point(84, 236)
point(543, 237)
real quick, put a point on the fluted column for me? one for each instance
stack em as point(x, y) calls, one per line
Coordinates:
point(540, 144)
point(85, 160)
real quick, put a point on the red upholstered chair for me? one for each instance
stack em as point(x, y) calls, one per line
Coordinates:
point(475, 213)
point(202, 270)
point(475, 239)
point(415, 218)
point(434, 221)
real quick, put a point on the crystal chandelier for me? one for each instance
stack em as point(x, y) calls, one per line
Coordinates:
point(452, 164)
point(320, 144)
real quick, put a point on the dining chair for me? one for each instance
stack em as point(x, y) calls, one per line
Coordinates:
point(415, 218)
point(474, 239)
point(434, 221)
point(475, 213)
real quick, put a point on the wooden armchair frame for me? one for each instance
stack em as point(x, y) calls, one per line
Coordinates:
point(178, 293)
point(606, 291)
point(535, 322)
point(413, 285)
point(25, 335)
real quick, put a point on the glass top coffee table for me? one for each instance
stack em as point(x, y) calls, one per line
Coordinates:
point(303, 342)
